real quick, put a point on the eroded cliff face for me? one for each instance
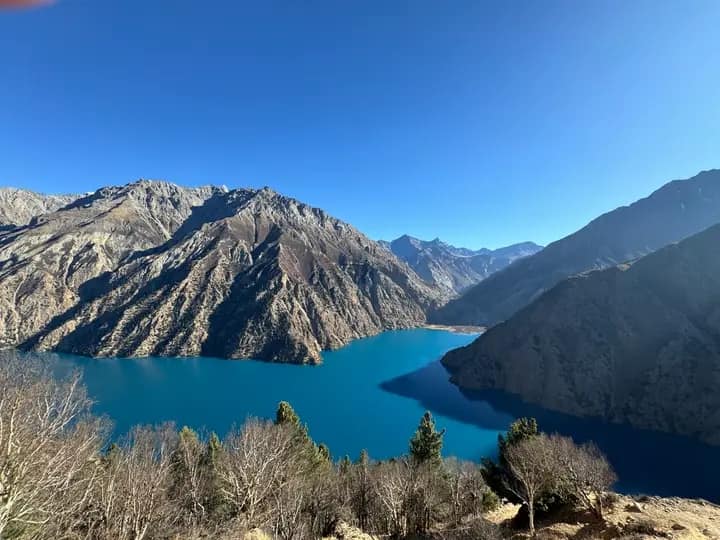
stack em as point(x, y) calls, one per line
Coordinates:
point(638, 343)
point(155, 269)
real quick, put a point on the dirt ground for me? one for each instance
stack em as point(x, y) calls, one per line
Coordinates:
point(629, 518)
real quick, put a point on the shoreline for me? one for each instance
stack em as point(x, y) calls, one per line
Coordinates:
point(456, 329)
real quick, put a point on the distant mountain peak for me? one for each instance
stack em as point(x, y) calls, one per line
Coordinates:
point(451, 268)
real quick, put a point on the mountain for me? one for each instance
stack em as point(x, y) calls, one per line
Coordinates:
point(44, 264)
point(636, 343)
point(155, 269)
point(19, 206)
point(455, 269)
point(673, 212)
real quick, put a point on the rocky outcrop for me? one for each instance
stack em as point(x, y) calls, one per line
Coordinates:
point(156, 269)
point(455, 269)
point(19, 206)
point(638, 343)
point(675, 211)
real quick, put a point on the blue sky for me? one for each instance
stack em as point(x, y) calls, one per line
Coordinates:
point(483, 123)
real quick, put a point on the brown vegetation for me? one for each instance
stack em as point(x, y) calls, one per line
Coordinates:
point(60, 479)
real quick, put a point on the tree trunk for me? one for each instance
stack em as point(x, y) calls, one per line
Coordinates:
point(599, 507)
point(531, 517)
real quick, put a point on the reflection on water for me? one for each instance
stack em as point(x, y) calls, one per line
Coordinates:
point(646, 461)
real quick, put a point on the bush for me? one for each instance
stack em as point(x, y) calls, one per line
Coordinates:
point(643, 526)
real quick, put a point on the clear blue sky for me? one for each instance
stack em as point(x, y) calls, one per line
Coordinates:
point(482, 123)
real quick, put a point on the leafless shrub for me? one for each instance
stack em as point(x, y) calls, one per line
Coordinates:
point(258, 462)
point(585, 472)
point(643, 526)
point(48, 450)
point(467, 490)
point(534, 471)
point(392, 483)
point(132, 492)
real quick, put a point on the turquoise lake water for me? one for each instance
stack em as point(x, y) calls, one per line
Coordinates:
point(371, 395)
point(341, 400)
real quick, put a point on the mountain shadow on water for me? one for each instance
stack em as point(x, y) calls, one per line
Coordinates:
point(646, 462)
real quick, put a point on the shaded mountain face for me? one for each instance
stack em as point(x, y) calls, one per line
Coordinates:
point(19, 206)
point(675, 211)
point(156, 269)
point(455, 269)
point(638, 343)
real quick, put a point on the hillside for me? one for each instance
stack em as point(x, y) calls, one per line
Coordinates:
point(155, 269)
point(638, 343)
point(675, 211)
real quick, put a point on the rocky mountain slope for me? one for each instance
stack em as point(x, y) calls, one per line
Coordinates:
point(19, 206)
point(455, 269)
point(675, 211)
point(156, 269)
point(45, 264)
point(638, 343)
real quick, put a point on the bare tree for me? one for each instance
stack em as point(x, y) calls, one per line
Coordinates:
point(47, 450)
point(466, 489)
point(586, 472)
point(362, 489)
point(533, 469)
point(132, 495)
point(427, 496)
point(189, 478)
point(288, 503)
point(392, 485)
point(257, 462)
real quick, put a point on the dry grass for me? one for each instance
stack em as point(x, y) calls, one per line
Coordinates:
point(628, 518)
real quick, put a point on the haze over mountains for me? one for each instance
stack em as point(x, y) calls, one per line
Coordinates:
point(673, 212)
point(636, 343)
point(156, 269)
point(454, 269)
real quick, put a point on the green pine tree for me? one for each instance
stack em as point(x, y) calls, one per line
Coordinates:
point(426, 444)
point(286, 416)
point(214, 501)
point(519, 430)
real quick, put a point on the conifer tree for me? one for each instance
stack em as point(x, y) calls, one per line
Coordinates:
point(210, 461)
point(286, 416)
point(426, 444)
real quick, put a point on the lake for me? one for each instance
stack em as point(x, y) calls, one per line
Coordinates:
point(371, 395)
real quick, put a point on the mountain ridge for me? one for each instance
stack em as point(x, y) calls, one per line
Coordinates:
point(674, 211)
point(451, 268)
point(637, 343)
point(152, 268)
